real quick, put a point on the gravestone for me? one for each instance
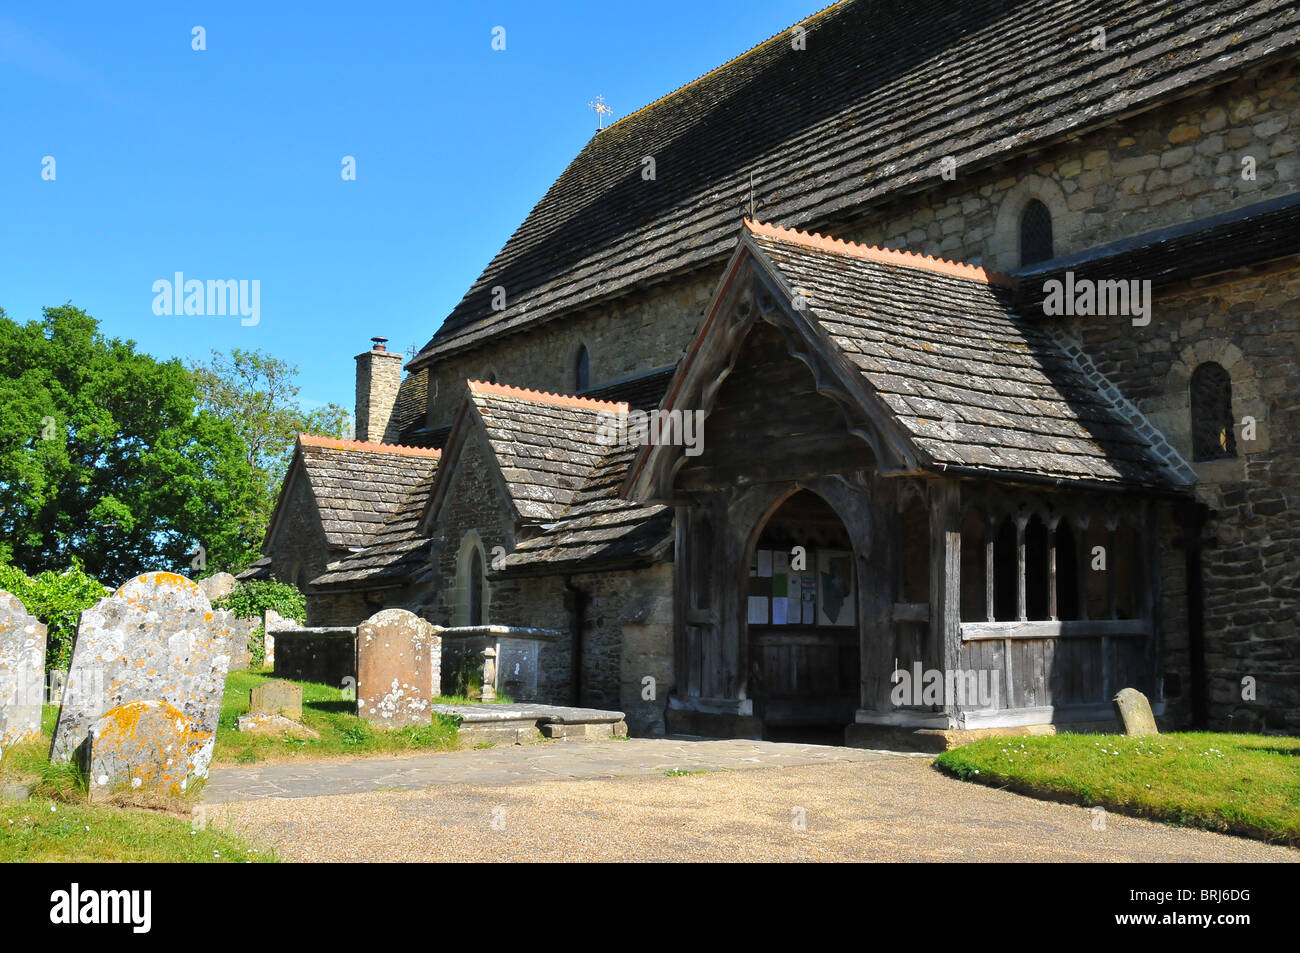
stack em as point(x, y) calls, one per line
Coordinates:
point(22, 672)
point(1134, 713)
point(262, 723)
point(155, 639)
point(273, 622)
point(276, 697)
point(398, 660)
point(58, 679)
point(241, 632)
point(217, 585)
point(145, 747)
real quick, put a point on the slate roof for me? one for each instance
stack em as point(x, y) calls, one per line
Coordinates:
point(975, 386)
point(393, 555)
point(640, 392)
point(598, 530)
point(1255, 234)
point(881, 92)
point(258, 570)
point(356, 485)
point(545, 444)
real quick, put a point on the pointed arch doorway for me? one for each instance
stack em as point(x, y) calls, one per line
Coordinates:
point(803, 622)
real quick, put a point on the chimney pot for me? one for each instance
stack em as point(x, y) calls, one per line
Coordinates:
point(379, 344)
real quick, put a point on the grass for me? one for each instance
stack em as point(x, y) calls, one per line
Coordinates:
point(326, 711)
point(1237, 784)
point(57, 832)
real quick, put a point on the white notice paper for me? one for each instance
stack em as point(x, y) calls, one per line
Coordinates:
point(765, 562)
point(758, 610)
point(779, 606)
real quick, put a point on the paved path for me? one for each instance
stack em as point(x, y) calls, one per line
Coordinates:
point(552, 761)
point(754, 801)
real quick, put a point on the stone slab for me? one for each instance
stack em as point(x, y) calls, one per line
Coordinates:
point(475, 714)
point(276, 697)
point(1134, 712)
point(275, 725)
point(22, 672)
point(145, 747)
point(217, 585)
point(398, 663)
point(156, 638)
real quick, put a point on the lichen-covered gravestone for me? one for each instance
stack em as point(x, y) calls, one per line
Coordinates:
point(22, 672)
point(217, 585)
point(1134, 712)
point(156, 639)
point(398, 662)
point(145, 747)
point(276, 697)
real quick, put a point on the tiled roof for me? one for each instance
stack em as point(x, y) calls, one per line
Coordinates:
point(599, 530)
point(258, 570)
point(356, 485)
point(545, 444)
point(879, 93)
point(390, 557)
point(974, 385)
point(640, 392)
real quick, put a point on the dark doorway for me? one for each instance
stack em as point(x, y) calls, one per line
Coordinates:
point(803, 632)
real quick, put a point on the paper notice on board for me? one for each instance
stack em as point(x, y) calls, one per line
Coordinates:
point(779, 607)
point(765, 562)
point(758, 610)
point(780, 561)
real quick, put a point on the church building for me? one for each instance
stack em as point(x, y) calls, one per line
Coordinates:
point(929, 368)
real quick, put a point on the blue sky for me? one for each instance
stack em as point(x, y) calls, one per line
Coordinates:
point(225, 163)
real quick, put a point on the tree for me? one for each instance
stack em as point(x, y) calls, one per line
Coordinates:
point(257, 395)
point(106, 458)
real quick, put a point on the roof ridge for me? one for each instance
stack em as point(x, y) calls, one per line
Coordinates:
point(739, 56)
point(338, 443)
point(489, 389)
point(888, 256)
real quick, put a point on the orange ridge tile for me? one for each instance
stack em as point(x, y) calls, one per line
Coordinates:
point(486, 389)
point(335, 443)
point(888, 256)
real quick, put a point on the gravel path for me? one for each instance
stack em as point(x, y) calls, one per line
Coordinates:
point(877, 808)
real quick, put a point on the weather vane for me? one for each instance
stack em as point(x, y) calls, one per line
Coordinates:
point(602, 110)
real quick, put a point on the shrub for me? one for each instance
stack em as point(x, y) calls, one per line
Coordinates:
point(252, 598)
point(57, 599)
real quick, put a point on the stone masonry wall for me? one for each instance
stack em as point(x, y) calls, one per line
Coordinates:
point(1165, 167)
point(1252, 562)
point(474, 501)
point(627, 637)
point(638, 333)
point(299, 552)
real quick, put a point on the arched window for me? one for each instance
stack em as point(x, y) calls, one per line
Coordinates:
point(1212, 430)
point(474, 610)
point(471, 585)
point(1035, 233)
point(582, 370)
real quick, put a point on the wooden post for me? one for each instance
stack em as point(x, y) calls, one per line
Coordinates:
point(1022, 611)
point(945, 577)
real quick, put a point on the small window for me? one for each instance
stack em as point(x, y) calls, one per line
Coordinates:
point(582, 371)
point(474, 615)
point(1212, 430)
point(1035, 233)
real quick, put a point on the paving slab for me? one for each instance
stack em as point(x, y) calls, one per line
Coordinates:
point(556, 761)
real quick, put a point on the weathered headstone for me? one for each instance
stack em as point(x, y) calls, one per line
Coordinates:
point(1134, 712)
point(217, 585)
point(58, 679)
point(146, 747)
point(276, 697)
point(398, 660)
point(155, 639)
point(241, 633)
point(273, 622)
point(22, 671)
point(263, 723)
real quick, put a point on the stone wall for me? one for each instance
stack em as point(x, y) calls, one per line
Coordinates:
point(474, 503)
point(1165, 167)
point(379, 377)
point(637, 333)
point(627, 638)
point(1252, 560)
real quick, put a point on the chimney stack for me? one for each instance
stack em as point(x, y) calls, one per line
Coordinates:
point(379, 376)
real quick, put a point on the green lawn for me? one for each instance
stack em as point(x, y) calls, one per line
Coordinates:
point(1238, 784)
point(326, 711)
point(58, 832)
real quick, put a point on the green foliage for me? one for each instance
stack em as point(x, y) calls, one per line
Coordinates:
point(105, 456)
point(255, 596)
point(57, 599)
point(255, 394)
